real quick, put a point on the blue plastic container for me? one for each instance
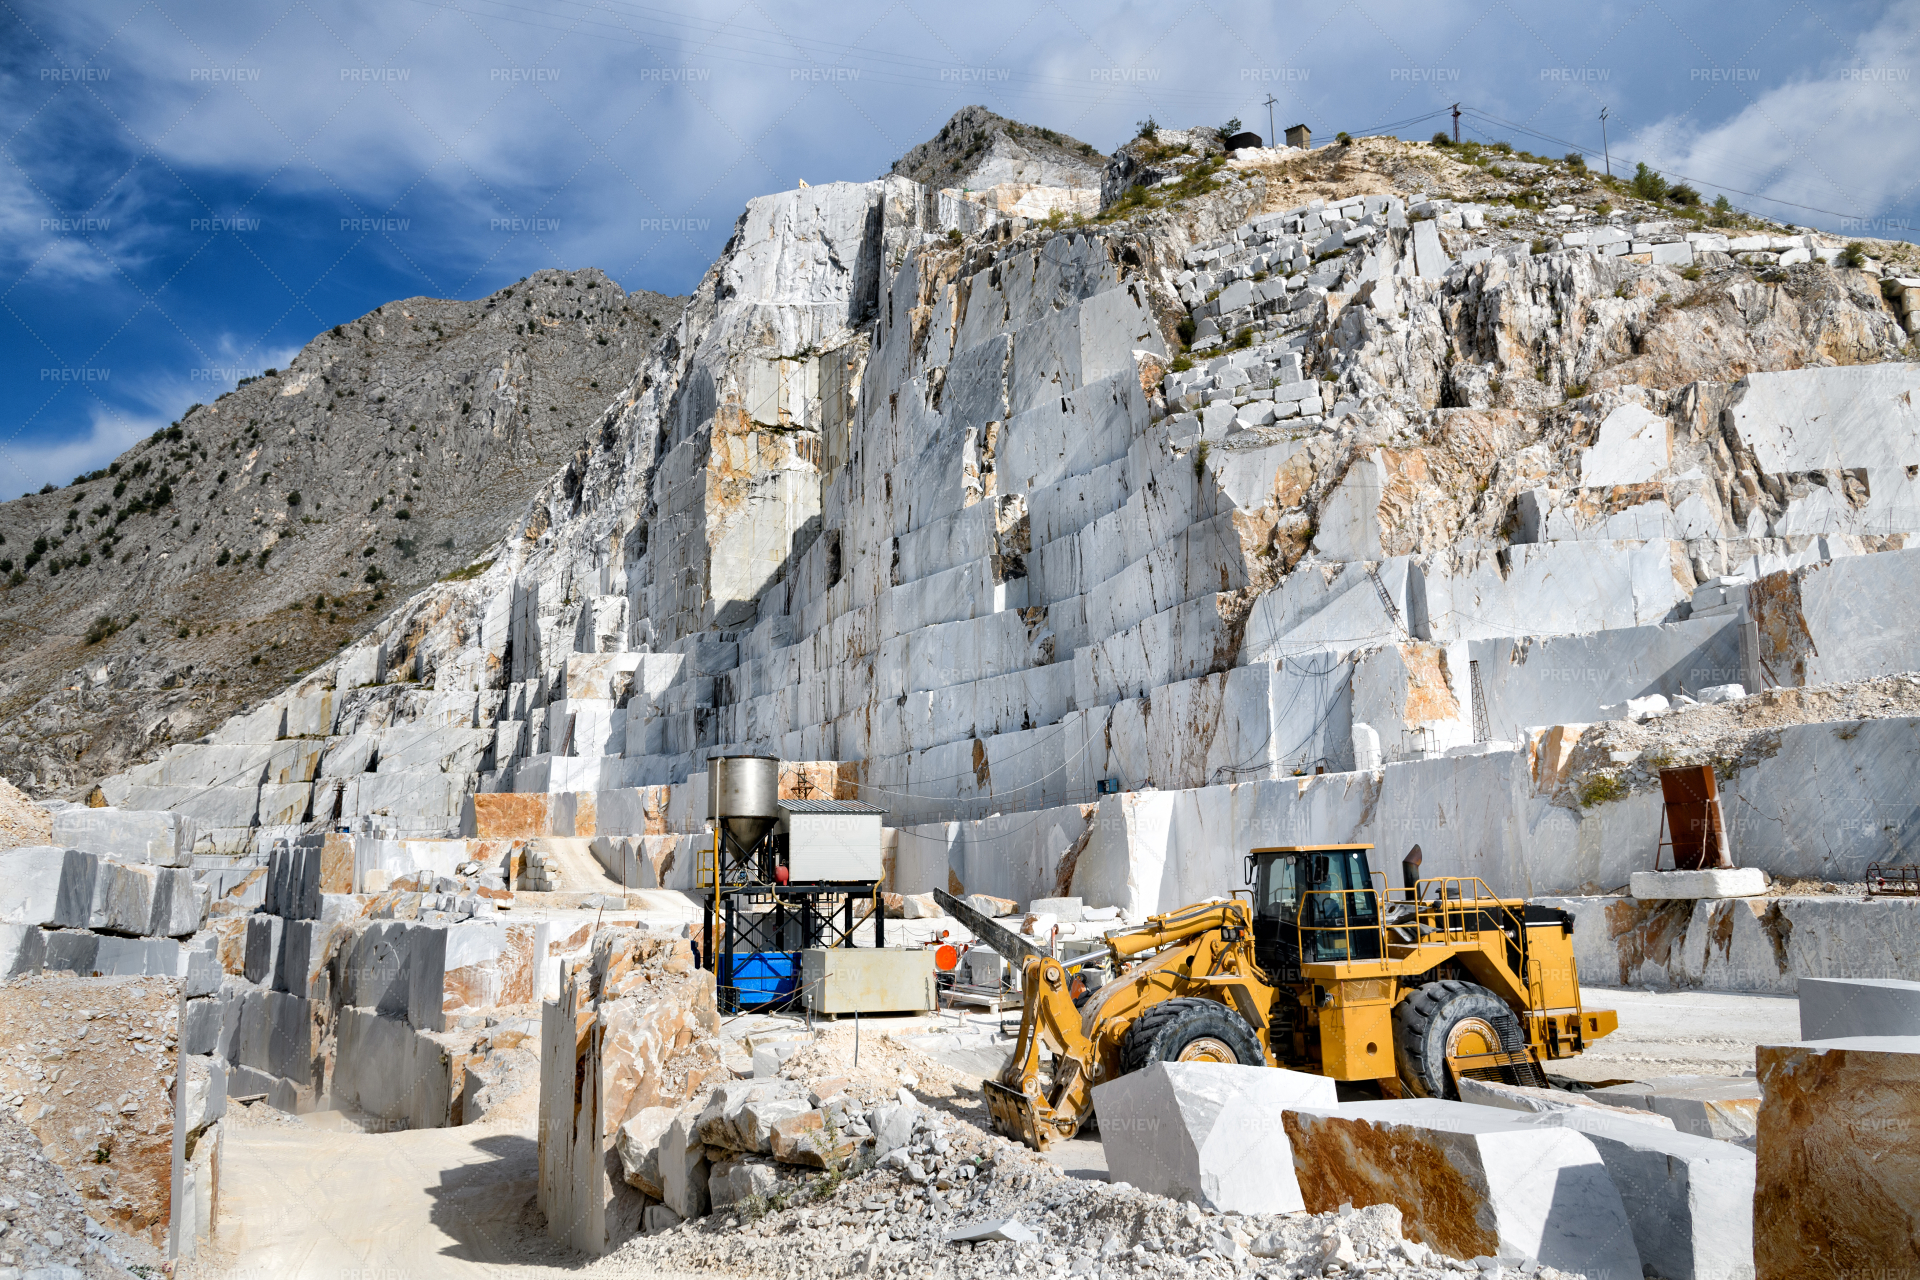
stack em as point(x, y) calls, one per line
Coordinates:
point(763, 976)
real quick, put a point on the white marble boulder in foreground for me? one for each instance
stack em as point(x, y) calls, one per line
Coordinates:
point(1468, 1181)
point(1689, 1199)
point(1837, 1183)
point(1208, 1133)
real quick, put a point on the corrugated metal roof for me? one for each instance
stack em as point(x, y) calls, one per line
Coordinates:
point(828, 806)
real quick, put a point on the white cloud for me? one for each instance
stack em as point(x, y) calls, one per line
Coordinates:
point(77, 242)
point(26, 466)
point(1845, 140)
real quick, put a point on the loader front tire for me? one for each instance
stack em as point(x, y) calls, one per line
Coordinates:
point(1435, 1016)
point(1189, 1030)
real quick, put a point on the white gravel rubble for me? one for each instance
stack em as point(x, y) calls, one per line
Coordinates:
point(896, 1219)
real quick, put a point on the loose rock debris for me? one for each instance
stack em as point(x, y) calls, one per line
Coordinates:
point(924, 1173)
point(45, 1229)
point(88, 1063)
point(897, 1219)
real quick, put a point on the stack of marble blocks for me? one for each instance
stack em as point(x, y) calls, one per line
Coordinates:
point(352, 1001)
point(114, 895)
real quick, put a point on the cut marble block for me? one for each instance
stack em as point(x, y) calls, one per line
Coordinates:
point(348, 756)
point(200, 1026)
point(23, 950)
point(385, 1068)
point(475, 964)
point(70, 950)
point(310, 715)
point(140, 900)
point(196, 766)
point(283, 804)
point(1510, 1097)
point(239, 886)
point(374, 970)
point(1745, 944)
point(122, 899)
point(1836, 1164)
point(1722, 1107)
point(1690, 1199)
point(420, 803)
point(206, 806)
point(1342, 606)
point(205, 971)
point(1207, 1133)
point(139, 958)
point(305, 948)
point(432, 748)
point(1711, 882)
point(507, 814)
point(293, 878)
point(129, 835)
point(1834, 1008)
point(45, 885)
point(264, 724)
point(1468, 1181)
point(179, 903)
point(262, 965)
point(272, 1033)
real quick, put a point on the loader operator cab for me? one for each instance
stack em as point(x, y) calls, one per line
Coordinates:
point(1312, 904)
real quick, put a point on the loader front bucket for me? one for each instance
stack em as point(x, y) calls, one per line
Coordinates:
point(1016, 1116)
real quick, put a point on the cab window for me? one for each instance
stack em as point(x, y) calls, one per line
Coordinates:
point(1279, 890)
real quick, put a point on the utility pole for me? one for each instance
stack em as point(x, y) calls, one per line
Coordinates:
point(1273, 139)
point(1603, 141)
point(1456, 122)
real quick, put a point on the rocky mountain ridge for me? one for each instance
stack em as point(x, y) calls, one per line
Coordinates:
point(206, 565)
point(977, 149)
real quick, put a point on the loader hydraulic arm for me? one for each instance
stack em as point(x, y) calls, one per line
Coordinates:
point(1041, 1114)
point(1017, 1101)
point(1178, 926)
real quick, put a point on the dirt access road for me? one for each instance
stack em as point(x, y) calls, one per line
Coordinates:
point(300, 1199)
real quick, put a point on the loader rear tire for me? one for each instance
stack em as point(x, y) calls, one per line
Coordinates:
point(1436, 1014)
point(1189, 1030)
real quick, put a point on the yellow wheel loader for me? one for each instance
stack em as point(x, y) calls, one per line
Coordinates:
point(1318, 967)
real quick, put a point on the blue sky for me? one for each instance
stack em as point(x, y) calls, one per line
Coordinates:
point(191, 191)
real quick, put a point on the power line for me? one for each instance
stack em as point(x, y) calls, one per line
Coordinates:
point(1399, 124)
point(1757, 195)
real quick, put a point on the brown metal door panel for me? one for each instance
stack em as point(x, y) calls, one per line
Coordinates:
point(1692, 800)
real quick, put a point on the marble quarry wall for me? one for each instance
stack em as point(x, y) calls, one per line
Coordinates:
point(936, 498)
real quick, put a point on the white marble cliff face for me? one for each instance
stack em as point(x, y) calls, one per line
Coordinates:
point(925, 507)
